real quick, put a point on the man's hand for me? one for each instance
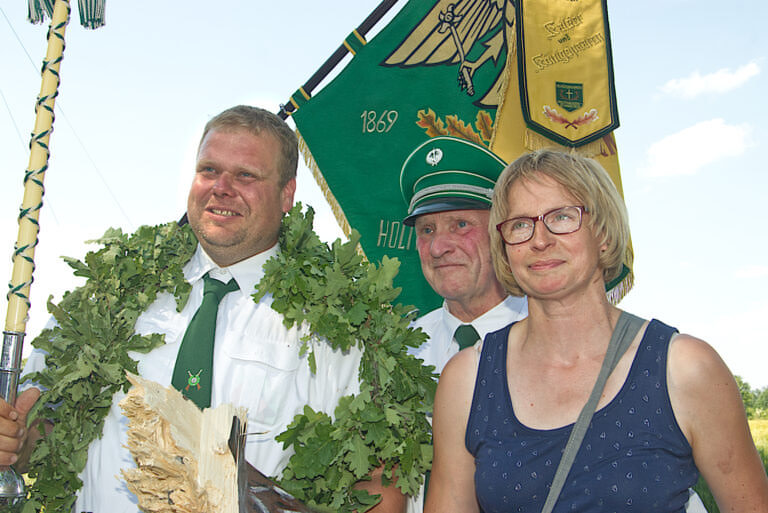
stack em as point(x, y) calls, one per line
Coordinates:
point(13, 425)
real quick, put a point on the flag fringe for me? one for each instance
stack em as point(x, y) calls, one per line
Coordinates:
point(37, 10)
point(503, 87)
point(91, 12)
point(621, 289)
point(625, 280)
point(535, 141)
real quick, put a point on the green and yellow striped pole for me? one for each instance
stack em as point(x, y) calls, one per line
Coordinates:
point(11, 485)
point(24, 251)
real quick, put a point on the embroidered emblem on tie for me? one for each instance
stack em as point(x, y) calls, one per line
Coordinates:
point(193, 380)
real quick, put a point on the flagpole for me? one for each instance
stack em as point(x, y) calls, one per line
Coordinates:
point(11, 485)
point(336, 57)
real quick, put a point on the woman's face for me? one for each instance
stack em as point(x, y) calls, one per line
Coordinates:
point(549, 265)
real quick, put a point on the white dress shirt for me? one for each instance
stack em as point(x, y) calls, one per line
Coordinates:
point(256, 366)
point(440, 325)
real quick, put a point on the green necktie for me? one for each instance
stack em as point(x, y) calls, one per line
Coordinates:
point(466, 336)
point(193, 372)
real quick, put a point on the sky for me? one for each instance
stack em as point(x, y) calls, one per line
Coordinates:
point(690, 79)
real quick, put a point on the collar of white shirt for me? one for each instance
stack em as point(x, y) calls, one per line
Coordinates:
point(511, 309)
point(247, 273)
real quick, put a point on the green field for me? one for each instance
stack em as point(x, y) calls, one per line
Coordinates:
point(759, 430)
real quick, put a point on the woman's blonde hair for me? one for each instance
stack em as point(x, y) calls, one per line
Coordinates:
point(585, 180)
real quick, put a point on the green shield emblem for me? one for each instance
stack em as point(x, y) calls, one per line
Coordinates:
point(569, 96)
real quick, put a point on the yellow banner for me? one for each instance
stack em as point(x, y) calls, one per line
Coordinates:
point(565, 70)
point(513, 136)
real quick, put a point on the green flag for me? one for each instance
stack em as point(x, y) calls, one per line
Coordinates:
point(435, 69)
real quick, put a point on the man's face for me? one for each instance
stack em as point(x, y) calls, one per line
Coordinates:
point(236, 203)
point(454, 249)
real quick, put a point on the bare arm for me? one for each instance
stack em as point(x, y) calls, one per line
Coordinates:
point(708, 407)
point(15, 438)
point(452, 485)
point(392, 499)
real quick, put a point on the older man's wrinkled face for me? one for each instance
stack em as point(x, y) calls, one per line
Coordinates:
point(236, 202)
point(454, 248)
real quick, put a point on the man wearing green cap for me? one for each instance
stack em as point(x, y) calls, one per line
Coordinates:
point(447, 183)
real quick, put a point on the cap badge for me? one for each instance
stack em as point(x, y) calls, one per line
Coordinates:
point(434, 156)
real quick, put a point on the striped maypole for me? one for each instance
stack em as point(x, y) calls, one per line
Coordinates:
point(91, 16)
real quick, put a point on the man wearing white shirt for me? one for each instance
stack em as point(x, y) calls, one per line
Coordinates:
point(245, 179)
point(448, 183)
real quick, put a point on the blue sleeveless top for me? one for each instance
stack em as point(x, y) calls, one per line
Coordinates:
point(634, 457)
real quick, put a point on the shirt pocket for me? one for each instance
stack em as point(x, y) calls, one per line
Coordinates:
point(263, 376)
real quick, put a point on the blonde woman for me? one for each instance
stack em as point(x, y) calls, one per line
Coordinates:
point(669, 410)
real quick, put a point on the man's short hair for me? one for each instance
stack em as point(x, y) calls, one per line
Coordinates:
point(584, 179)
point(257, 121)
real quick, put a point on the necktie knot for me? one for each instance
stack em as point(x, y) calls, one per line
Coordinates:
point(466, 336)
point(218, 288)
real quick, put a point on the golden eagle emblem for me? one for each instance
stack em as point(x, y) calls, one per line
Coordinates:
point(450, 31)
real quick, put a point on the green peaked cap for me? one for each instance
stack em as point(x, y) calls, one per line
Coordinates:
point(448, 173)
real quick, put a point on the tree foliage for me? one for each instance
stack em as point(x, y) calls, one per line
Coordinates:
point(755, 400)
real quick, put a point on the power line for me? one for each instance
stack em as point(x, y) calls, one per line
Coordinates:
point(71, 127)
point(13, 120)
